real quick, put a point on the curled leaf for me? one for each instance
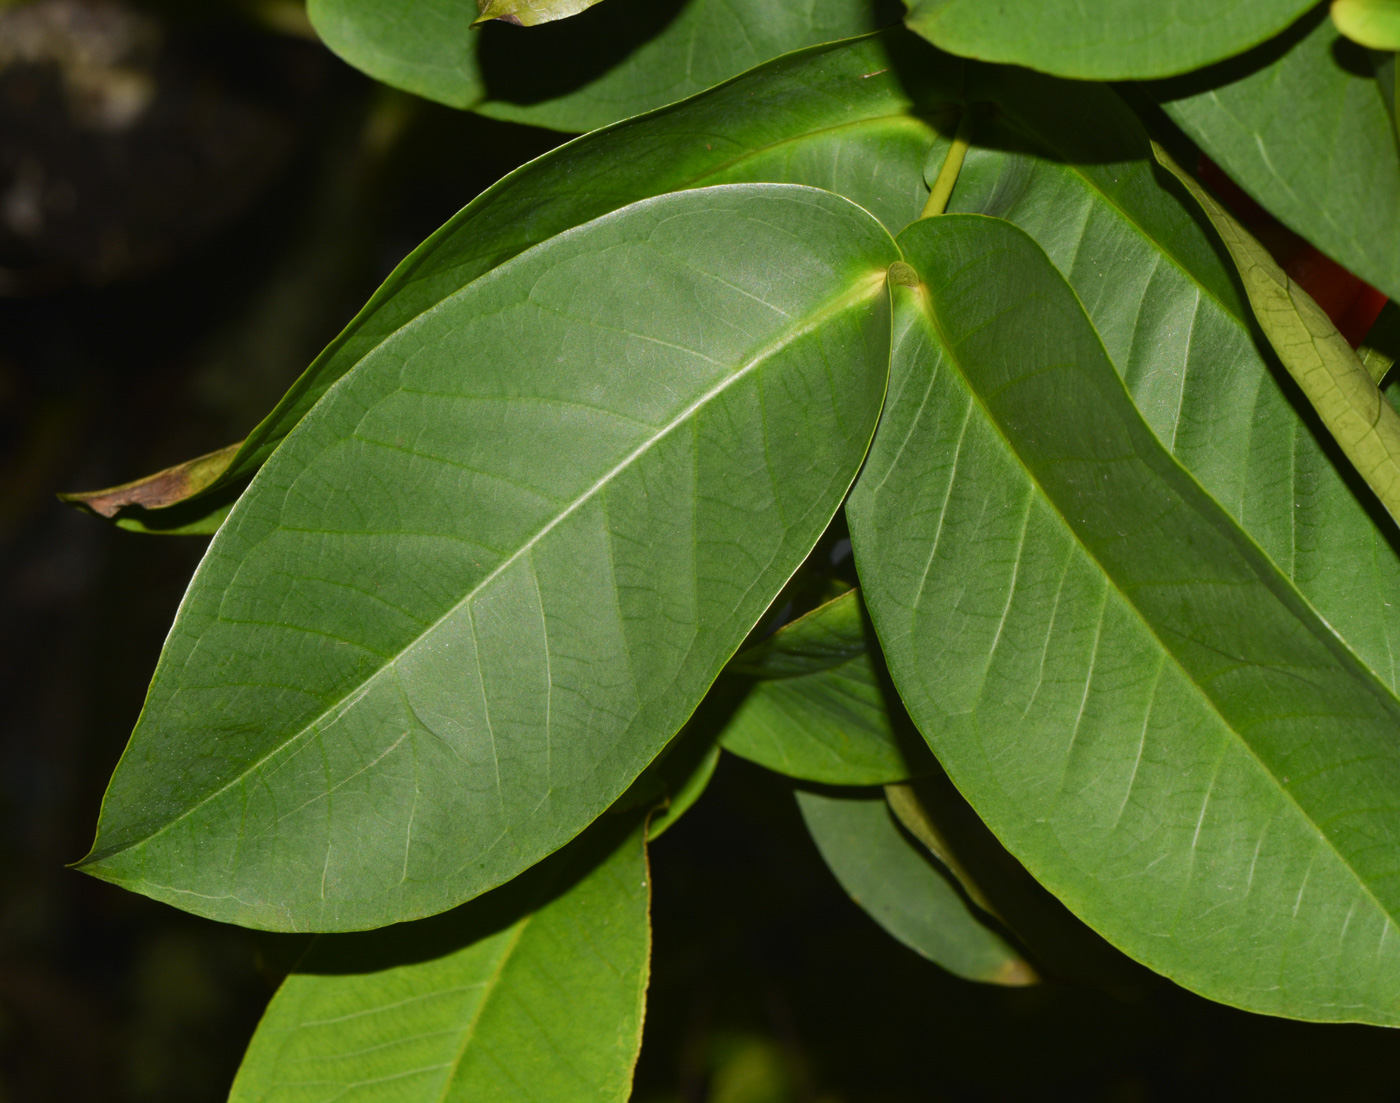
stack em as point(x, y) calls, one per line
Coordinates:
point(529, 13)
point(1317, 356)
point(162, 490)
point(1373, 23)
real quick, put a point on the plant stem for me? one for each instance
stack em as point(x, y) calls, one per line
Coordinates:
point(952, 165)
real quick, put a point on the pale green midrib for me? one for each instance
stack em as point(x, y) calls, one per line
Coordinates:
point(470, 1031)
point(863, 290)
point(1392, 920)
point(410, 270)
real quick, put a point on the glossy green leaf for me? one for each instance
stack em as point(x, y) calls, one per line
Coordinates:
point(1322, 363)
point(531, 13)
point(1163, 299)
point(428, 47)
point(1102, 39)
point(491, 574)
point(649, 53)
point(1373, 23)
point(1302, 126)
point(884, 872)
point(639, 55)
point(817, 707)
point(839, 117)
point(1137, 700)
point(482, 1003)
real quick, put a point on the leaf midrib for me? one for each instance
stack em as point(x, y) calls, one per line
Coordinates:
point(863, 289)
point(925, 309)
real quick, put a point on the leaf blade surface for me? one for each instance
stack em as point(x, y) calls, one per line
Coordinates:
point(899, 887)
point(1139, 703)
point(1102, 39)
point(480, 1003)
point(423, 652)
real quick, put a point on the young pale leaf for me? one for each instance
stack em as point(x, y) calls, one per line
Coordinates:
point(483, 1003)
point(1125, 687)
point(817, 709)
point(839, 117)
point(1333, 377)
point(531, 13)
point(1302, 126)
point(428, 47)
point(900, 888)
point(1102, 39)
point(649, 53)
point(491, 574)
point(1373, 23)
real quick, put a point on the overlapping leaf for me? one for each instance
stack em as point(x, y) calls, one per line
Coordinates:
point(481, 1003)
point(491, 574)
point(1078, 176)
point(1330, 374)
point(844, 118)
point(614, 61)
point(817, 708)
point(1103, 39)
point(1302, 125)
point(884, 872)
point(1138, 701)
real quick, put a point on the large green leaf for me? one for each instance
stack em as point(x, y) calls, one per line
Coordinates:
point(491, 574)
point(646, 53)
point(1081, 182)
point(1324, 366)
point(1103, 39)
point(482, 1003)
point(817, 708)
point(1139, 702)
point(1302, 126)
point(847, 118)
point(886, 874)
point(1373, 23)
point(611, 62)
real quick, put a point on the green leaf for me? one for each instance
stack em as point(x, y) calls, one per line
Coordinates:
point(1302, 126)
point(843, 118)
point(901, 889)
point(817, 709)
point(1102, 39)
point(1373, 23)
point(1140, 704)
point(492, 573)
point(531, 13)
point(683, 795)
point(649, 53)
point(480, 1003)
point(1324, 366)
point(428, 47)
point(637, 54)
point(1162, 296)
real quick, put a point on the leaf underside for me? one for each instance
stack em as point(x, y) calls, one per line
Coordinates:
point(817, 708)
point(840, 118)
point(479, 1003)
point(900, 888)
point(1135, 698)
point(422, 652)
point(1302, 126)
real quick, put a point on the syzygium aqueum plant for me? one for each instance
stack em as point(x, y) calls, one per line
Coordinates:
point(1121, 498)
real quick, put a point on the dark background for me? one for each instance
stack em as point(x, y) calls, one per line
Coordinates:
point(189, 209)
